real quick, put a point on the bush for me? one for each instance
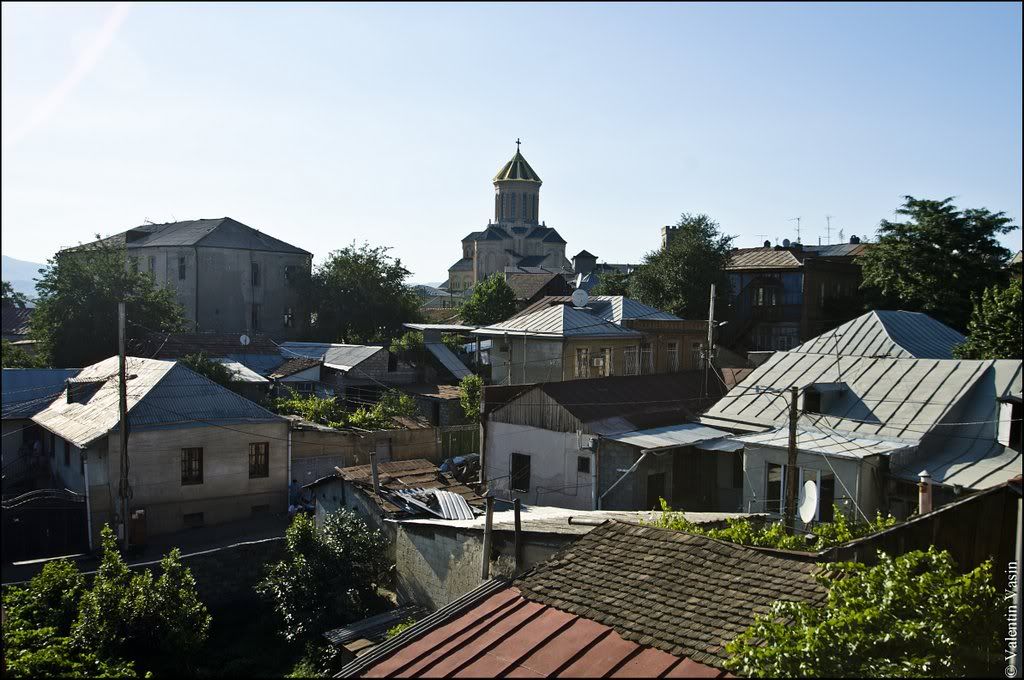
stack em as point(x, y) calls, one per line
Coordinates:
point(470, 391)
point(328, 576)
point(330, 411)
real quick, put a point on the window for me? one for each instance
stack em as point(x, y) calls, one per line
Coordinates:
point(583, 464)
point(673, 357)
point(655, 490)
point(582, 362)
point(192, 466)
point(695, 355)
point(255, 274)
point(632, 360)
point(773, 488)
point(67, 454)
point(255, 316)
point(646, 359)
point(512, 210)
point(181, 268)
point(765, 296)
point(603, 362)
point(259, 460)
point(519, 479)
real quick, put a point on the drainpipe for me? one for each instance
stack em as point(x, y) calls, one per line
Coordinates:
point(596, 477)
point(88, 507)
point(924, 493)
point(643, 454)
point(518, 539)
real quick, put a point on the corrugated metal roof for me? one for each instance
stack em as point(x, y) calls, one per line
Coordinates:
point(438, 502)
point(374, 627)
point(559, 321)
point(909, 335)
point(828, 443)
point(160, 394)
point(242, 372)
point(764, 258)
point(221, 232)
point(27, 391)
point(614, 308)
point(669, 436)
point(334, 355)
point(448, 359)
point(397, 476)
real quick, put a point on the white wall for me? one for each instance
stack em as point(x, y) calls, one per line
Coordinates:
point(554, 480)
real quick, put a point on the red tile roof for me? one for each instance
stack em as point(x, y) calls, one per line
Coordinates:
point(506, 635)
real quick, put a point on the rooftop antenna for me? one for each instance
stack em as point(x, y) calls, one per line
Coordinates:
point(797, 220)
point(828, 229)
point(761, 237)
point(842, 238)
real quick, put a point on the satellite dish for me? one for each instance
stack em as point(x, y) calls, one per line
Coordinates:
point(244, 340)
point(808, 501)
point(580, 298)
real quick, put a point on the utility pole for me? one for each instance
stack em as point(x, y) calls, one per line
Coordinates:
point(122, 389)
point(791, 474)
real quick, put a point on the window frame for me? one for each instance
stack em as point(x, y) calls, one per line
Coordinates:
point(259, 469)
point(191, 460)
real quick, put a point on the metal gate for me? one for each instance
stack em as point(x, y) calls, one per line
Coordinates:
point(44, 523)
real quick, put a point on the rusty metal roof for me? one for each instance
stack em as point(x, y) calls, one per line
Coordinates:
point(405, 475)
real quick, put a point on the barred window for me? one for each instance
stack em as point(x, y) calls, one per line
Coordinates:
point(259, 460)
point(673, 357)
point(582, 362)
point(631, 357)
point(192, 465)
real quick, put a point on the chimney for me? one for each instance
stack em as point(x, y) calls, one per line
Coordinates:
point(373, 472)
point(924, 493)
point(785, 243)
point(767, 244)
point(854, 239)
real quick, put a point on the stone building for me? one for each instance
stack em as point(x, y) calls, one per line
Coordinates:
point(516, 237)
point(229, 277)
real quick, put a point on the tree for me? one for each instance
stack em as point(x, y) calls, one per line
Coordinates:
point(214, 370)
point(16, 357)
point(995, 328)
point(12, 297)
point(612, 283)
point(76, 310)
point(491, 301)
point(331, 411)
point(909, 616)
point(678, 278)
point(936, 260)
point(360, 295)
point(470, 391)
point(327, 575)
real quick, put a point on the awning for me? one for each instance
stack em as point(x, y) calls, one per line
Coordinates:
point(670, 436)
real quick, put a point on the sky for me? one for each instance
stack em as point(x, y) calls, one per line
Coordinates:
point(328, 124)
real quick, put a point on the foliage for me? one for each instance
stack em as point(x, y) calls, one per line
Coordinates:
point(31, 652)
point(995, 328)
point(491, 301)
point(16, 357)
point(13, 297)
point(471, 390)
point(331, 411)
point(936, 260)
point(76, 312)
point(214, 370)
point(327, 576)
point(319, 659)
point(412, 341)
point(399, 627)
point(678, 278)
point(359, 295)
point(773, 534)
point(612, 283)
point(381, 415)
point(159, 624)
point(908, 616)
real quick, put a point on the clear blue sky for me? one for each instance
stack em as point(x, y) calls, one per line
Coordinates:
point(323, 124)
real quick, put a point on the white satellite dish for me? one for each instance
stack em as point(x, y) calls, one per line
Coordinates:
point(808, 501)
point(580, 298)
point(244, 339)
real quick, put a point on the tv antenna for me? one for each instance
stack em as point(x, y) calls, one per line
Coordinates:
point(828, 229)
point(797, 220)
point(761, 237)
point(841, 236)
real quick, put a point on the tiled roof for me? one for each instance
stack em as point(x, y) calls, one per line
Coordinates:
point(292, 366)
point(177, 345)
point(517, 169)
point(526, 286)
point(395, 476)
point(27, 391)
point(161, 394)
point(222, 232)
point(465, 264)
point(684, 594)
point(764, 258)
point(531, 260)
point(16, 320)
point(909, 335)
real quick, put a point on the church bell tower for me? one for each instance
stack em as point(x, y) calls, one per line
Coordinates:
point(517, 193)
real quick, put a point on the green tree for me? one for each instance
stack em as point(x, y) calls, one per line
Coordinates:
point(12, 297)
point(16, 357)
point(360, 295)
point(214, 370)
point(995, 328)
point(491, 301)
point(909, 616)
point(612, 283)
point(936, 260)
point(328, 575)
point(76, 311)
point(678, 278)
point(471, 390)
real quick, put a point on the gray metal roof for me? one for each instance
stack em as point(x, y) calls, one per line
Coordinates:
point(909, 335)
point(160, 394)
point(27, 391)
point(221, 232)
point(242, 373)
point(334, 355)
point(670, 436)
point(438, 327)
point(447, 359)
point(828, 443)
point(559, 321)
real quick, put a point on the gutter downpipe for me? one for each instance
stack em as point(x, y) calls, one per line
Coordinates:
point(597, 474)
point(88, 507)
point(643, 454)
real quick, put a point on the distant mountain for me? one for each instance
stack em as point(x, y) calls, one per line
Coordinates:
point(20, 275)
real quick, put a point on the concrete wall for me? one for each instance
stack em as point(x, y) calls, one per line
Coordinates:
point(226, 294)
point(70, 475)
point(226, 493)
point(631, 492)
point(435, 564)
point(315, 453)
point(554, 479)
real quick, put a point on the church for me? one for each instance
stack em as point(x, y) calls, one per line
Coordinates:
point(516, 239)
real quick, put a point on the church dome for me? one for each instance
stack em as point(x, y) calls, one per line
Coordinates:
point(517, 169)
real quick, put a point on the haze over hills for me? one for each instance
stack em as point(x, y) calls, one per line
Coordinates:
point(20, 274)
